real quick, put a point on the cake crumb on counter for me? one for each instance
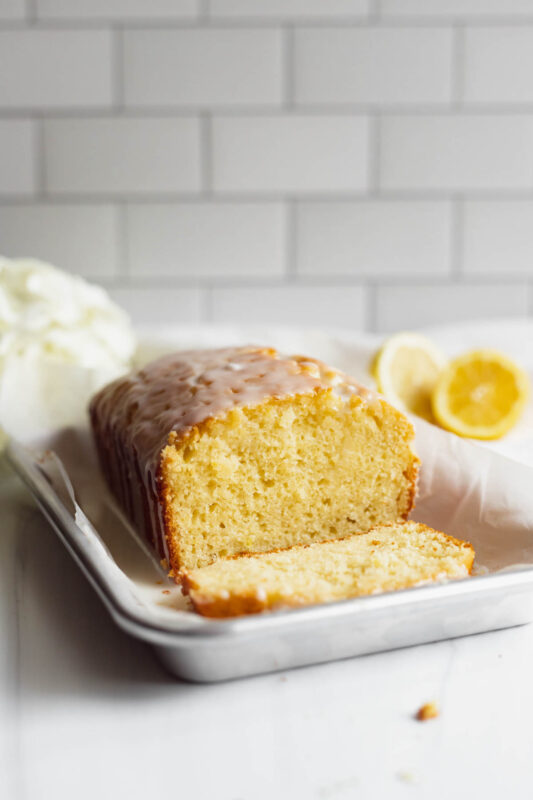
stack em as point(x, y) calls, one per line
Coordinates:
point(427, 711)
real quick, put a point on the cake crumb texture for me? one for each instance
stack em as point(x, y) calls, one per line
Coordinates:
point(213, 453)
point(289, 471)
point(383, 559)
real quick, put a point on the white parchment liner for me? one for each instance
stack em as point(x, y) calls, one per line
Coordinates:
point(465, 489)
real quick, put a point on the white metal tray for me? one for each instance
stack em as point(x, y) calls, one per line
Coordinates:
point(465, 490)
point(203, 650)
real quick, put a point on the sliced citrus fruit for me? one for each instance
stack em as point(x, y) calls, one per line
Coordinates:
point(406, 369)
point(480, 395)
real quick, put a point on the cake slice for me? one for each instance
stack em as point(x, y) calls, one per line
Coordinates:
point(212, 453)
point(385, 558)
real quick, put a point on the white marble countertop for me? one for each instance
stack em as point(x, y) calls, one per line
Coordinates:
point(88, 712)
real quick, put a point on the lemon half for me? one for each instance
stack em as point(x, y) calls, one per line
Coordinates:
point(406, 369)
point(481, 395)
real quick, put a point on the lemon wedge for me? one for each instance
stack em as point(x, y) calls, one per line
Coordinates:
point(406, 369)
point(480, 395)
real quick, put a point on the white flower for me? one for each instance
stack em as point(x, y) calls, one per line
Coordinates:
point(55, 324)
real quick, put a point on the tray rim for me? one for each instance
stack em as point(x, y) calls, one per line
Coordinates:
point(132, 619)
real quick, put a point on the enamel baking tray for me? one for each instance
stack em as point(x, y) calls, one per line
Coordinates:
point(203, 650)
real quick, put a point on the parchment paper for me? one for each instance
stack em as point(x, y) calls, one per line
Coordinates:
point(465, 489)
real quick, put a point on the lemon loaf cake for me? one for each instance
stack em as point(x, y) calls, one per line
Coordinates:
point(217, 452)
point(385, 558)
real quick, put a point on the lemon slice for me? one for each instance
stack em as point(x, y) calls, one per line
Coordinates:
point(406, 369)
point(481, 395)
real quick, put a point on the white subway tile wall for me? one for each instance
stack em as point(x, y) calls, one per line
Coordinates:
point(78, 238)
point(12, 9)
point(17, 157)
point(116, 9)
point(498, 238)
point(373, 66)
point(321, 306)
point(456, 9)
point(55, 69)
point(498, 65)
point(238, 68)
point(147, 305)
point(290, 9)
point(357, 163)
point(206, 240)
point(122, 155)
point(424, 304)
point(369, 238)
point(457, 153)
point(290, 153)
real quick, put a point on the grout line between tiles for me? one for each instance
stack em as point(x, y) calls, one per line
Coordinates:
point(374, 155)
point(277, 111)
point(458, 67)
point(117, 68)
point(31, 12)
point(39, 155)
point(196, 198)
point(207, 304)
point(206, 154)
point(123, 242)
point(288, 67)
point(205, 18)
point(370, 322)
point(457, 238)
point(204, 12)
point(315, 281)
point(374, 12)
point(291, 240)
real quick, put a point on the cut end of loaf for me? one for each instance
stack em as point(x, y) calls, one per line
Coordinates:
point(384, 559)
point(287, 471)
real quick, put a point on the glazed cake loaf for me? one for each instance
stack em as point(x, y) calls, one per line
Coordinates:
point(212, 453)
point(384, 559)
